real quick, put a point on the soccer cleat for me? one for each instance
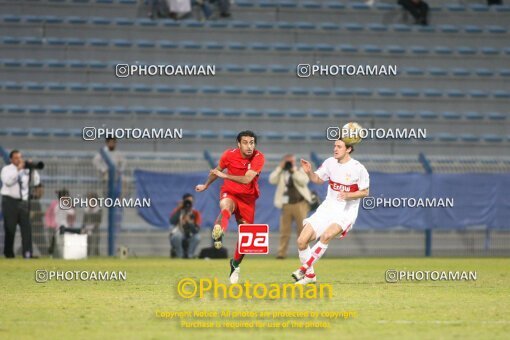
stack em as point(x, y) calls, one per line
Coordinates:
point(217, 236)
point(307, 280)
point(234, 272)
point(298, 275)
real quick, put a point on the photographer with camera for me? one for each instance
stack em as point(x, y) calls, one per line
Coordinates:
point(16, 180)
point(292, 196)
point(184, 236)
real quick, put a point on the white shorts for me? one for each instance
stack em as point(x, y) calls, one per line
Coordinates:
point(329, 213)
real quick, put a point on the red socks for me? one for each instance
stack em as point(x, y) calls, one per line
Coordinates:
point(223, 218)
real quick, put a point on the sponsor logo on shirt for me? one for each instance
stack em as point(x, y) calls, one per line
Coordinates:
point(343, 187)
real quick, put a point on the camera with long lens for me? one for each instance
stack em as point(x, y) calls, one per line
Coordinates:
point(287, 166)
point(34, 165)
point(187, 204)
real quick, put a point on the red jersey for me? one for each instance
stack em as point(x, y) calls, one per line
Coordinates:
point(236, 165)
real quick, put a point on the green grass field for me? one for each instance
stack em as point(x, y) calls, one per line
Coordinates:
point(127, 309)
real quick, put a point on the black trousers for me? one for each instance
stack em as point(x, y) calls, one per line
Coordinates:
point(16, 212)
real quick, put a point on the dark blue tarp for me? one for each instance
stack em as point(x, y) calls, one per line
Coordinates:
point(479, 199)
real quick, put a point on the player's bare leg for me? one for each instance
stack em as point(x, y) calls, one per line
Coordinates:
point(317, 251)
point(227, 207)
point(236, 261)
point(306, 236)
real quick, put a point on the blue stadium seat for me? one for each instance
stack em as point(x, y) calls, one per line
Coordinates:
point(36, 109)
point(275, 113)
point(117, 87)
point(371, 49)
point(272, 135)
point(232, 90)
point(209, 112)
point(315, 114)
point(478, 94)
point(362, 114)
point(208, 134)
point(257, 68)
point(473, 29)
point(460, 72)
point(501, 94)
point(186, 111)
point(419, 50)
point(496, 116)
point(17, 132)
point(340, 114)
point(141, 110)
point(253, 113)
point(232, 113)
point(254, 90)
point(381, 114)
point(77, 87)
point(428, 115)
point(473, 116)
point(188, 89)
point(14, 109)
point(122, 43)
point(33, 41)
point(98, 87)
point(454, 93)
point(34, 86)
point(353, 27)
point(469, 138)
point(296, 114)
point(100, 110)
point(98, 42)
point(210, 89)
point(492, 138)
point(164, 111)
point(395, 49)
point(57, 109)
point(228, 134)
point(39, 132)
point(321, 91)
point(213, 45)
point(408, 92)
point(100, 21)
point(432, 93)
point(386, 92)
point(406, 114)
point(451, 115)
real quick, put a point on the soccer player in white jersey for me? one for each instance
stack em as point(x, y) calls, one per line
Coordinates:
point(348, 183)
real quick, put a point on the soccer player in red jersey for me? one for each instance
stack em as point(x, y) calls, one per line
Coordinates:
point(239, 192)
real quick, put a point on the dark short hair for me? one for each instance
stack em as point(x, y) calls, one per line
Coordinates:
point(62, 192)
point(110, 138)
point(12, 153)
point(350, 146)
point(186, 195)
point(246, 133)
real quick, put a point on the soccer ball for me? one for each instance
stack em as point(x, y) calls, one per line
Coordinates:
point(351, 133)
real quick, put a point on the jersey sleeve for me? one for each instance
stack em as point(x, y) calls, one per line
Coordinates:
point(258, 163)
point(223, 163)
point(364, 179)
point(323, 171)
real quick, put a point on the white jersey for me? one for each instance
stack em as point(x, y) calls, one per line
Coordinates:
point(349, 177)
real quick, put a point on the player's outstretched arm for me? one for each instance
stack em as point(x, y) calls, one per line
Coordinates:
point(307, 167)
point(247, 178)
point(211, 178)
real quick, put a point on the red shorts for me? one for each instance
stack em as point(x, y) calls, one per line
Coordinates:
point(244, 206)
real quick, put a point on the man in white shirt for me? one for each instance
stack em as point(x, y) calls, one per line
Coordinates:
point(15, 183)
point(348, 183)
